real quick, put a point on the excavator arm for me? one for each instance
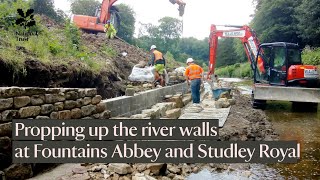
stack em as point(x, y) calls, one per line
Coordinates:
point(96, 23)
point(247, 37)
point(106, 5)
point(181, 5)
point(105, 10)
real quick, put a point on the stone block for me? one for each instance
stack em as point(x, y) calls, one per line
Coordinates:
point(225, 95)
point(101, 107)
point(54, 115)
point(6, 103)
point(8, 115)
point(52, 90)
point(37, 100)
point(130, 92)
point(86, 101)
point(152, 113)
point(10, 92)
point(96, 99)
point(6, 129)
point(34, 91)
point(224, 102)
point(79, 103)
point(66, 114)
point(88, 110)
point(42, 117)
point(120, 168)
point(21, 101)
point(155, 168)
point(18, 171)
point(176, 99)
point(90, 92)
point(81, 93)
point(174, 113)
point(71, 95)
point(5, 144)
point(58, 106)
point(95, 116)
point(139, 116)
point(70, 104)
point(30, 111)
point(187, 99)
point(47, 108)
point(105, 115)
point(232, 101)
point(53, 98)
point(76, 113)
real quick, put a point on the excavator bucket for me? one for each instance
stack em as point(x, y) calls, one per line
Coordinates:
point(181, 9)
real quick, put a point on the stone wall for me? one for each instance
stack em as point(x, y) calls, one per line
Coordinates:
point(42, 103)
point(129, 105)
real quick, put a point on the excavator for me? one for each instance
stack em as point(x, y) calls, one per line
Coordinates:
point(95, 24)
point(277, 67)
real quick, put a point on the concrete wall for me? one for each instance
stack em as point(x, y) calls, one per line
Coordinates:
point(42, 103)
point(129, 105)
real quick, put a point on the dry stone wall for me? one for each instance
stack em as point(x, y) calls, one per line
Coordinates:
point(42, 103)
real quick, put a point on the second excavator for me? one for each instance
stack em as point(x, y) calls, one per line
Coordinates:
point(95, 24)
point(279, 73)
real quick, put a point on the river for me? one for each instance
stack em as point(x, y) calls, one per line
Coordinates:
point(301, 126)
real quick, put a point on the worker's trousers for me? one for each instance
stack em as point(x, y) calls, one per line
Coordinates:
point(195, 90)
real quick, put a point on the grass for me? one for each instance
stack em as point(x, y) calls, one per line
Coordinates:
point(171, 63)
point(311, 56)
point(237, 70)
point(109, 51)
point(51, 47)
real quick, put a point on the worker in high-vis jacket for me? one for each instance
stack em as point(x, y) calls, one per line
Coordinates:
point(194, 73)
point(110, 30)
point(158, 61)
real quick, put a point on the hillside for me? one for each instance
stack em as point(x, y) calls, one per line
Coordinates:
point(48, 60)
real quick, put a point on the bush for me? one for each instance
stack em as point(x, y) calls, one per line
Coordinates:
point(236, 70)
point(311, 56)
point(73, 35)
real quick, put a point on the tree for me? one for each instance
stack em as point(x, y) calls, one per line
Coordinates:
point(307, 15)
point(46, 7)
point(127, 23)
point(198, 49)
point(165, 36)
point(84, 7)
point(274, 21)
point(226, 53)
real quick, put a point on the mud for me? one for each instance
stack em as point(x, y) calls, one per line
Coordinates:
point(246, 124)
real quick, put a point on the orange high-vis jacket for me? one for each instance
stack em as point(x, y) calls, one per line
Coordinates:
point(193, 71)
point(157, 55)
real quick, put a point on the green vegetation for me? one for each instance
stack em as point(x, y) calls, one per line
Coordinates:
point(84, 7)
point(171, 62)
point(49, 46)
point(236, 70)
point(311, 56)
point(128, 20)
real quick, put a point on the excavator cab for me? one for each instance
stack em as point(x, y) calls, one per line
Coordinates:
point(283, 66)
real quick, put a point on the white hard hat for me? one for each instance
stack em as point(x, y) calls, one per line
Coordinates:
point(189, 60)
point(153, 47)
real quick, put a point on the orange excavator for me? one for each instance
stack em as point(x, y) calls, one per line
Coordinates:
point(279, 73)
point(95, 24)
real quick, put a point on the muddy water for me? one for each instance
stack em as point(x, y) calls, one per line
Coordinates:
point(301, 126)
